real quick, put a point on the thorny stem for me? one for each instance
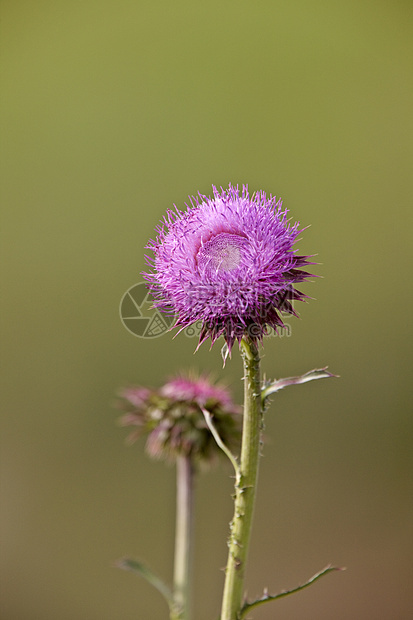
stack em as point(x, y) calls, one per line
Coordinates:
point(245, 487)
point(183, 539)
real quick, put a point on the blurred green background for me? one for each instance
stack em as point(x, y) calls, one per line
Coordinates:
point(112, 112)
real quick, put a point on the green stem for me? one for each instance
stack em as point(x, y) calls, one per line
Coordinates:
point(183, 539)
point(245, 487)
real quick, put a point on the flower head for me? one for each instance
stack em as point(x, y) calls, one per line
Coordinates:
point(172, 418)
point(228, 262)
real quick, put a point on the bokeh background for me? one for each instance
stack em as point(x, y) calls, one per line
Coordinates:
point(112, 112)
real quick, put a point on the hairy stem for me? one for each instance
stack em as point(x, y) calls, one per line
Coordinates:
point(245, 486)
point(183, 539)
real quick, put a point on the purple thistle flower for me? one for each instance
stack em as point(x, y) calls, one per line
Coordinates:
point(228, 262)
point(173, 421)
point(199, 390)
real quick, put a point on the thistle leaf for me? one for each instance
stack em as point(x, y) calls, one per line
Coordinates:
point(270, 387)
point(220, 443)
point(246, 608)
point(140, 569)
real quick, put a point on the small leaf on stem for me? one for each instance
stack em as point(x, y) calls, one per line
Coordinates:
point(270, 387)
point(246, 608)
point(220, 443)
point(140, 569)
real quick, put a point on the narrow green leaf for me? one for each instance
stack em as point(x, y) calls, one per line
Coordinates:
point(246, 608)
point(270, 387)
point(143, 571)
point(220, 443)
